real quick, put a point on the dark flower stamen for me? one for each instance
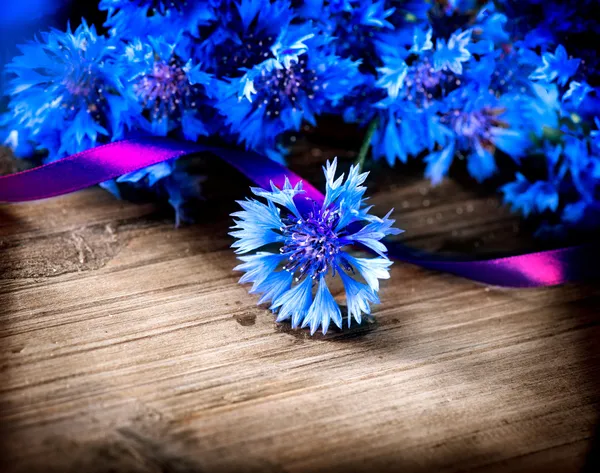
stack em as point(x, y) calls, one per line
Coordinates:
point(312, 243)
point(166, 89)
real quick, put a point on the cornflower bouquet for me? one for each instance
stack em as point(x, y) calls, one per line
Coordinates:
point(501, 87)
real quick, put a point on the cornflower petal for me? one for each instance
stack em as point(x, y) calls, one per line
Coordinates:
point(273, 286)
point(371, 269)
point(323, 310)
point(359, 296)
point(294, 303)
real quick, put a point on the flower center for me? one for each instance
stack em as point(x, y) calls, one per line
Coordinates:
point(79, 86)
point(282, 88)
point(312, 243)
point(475, 125)
point(423, 83)
point(165, 90)
point(84, 90)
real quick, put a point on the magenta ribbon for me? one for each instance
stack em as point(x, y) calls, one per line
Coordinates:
point(96, 165)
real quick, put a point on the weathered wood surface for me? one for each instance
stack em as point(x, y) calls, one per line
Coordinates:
point(126, 345)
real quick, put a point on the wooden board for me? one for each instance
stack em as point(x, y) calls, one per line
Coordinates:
point(126, 345)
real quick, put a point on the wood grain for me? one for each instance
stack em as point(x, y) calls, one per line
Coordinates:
point(126, 345)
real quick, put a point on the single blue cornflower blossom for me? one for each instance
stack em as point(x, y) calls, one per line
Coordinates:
point(569, 187)
point(65, 91)
point(166, 96)
point(242, 34)
point(479, 124)
point(542, 195)
point(313, 240)
point(419, 72)
point(173, 94)
point(281, 93)
point(531, 197)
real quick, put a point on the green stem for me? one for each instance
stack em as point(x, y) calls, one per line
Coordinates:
point(364, 149)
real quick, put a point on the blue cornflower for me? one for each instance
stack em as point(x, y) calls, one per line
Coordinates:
point(313, 239)
point(166, 96)
point(279, 94)
point(541, 195)
point(479, 123)
point(415, 82)
point(242, 34)
point(531, 197)
point(174, 95)
point(131, 18)
point(557, 66)
point(66, 92)
point(417, 79)
point(569, 187)
point(419, 72)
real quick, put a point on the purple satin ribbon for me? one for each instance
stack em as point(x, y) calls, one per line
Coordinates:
point(85, 169)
